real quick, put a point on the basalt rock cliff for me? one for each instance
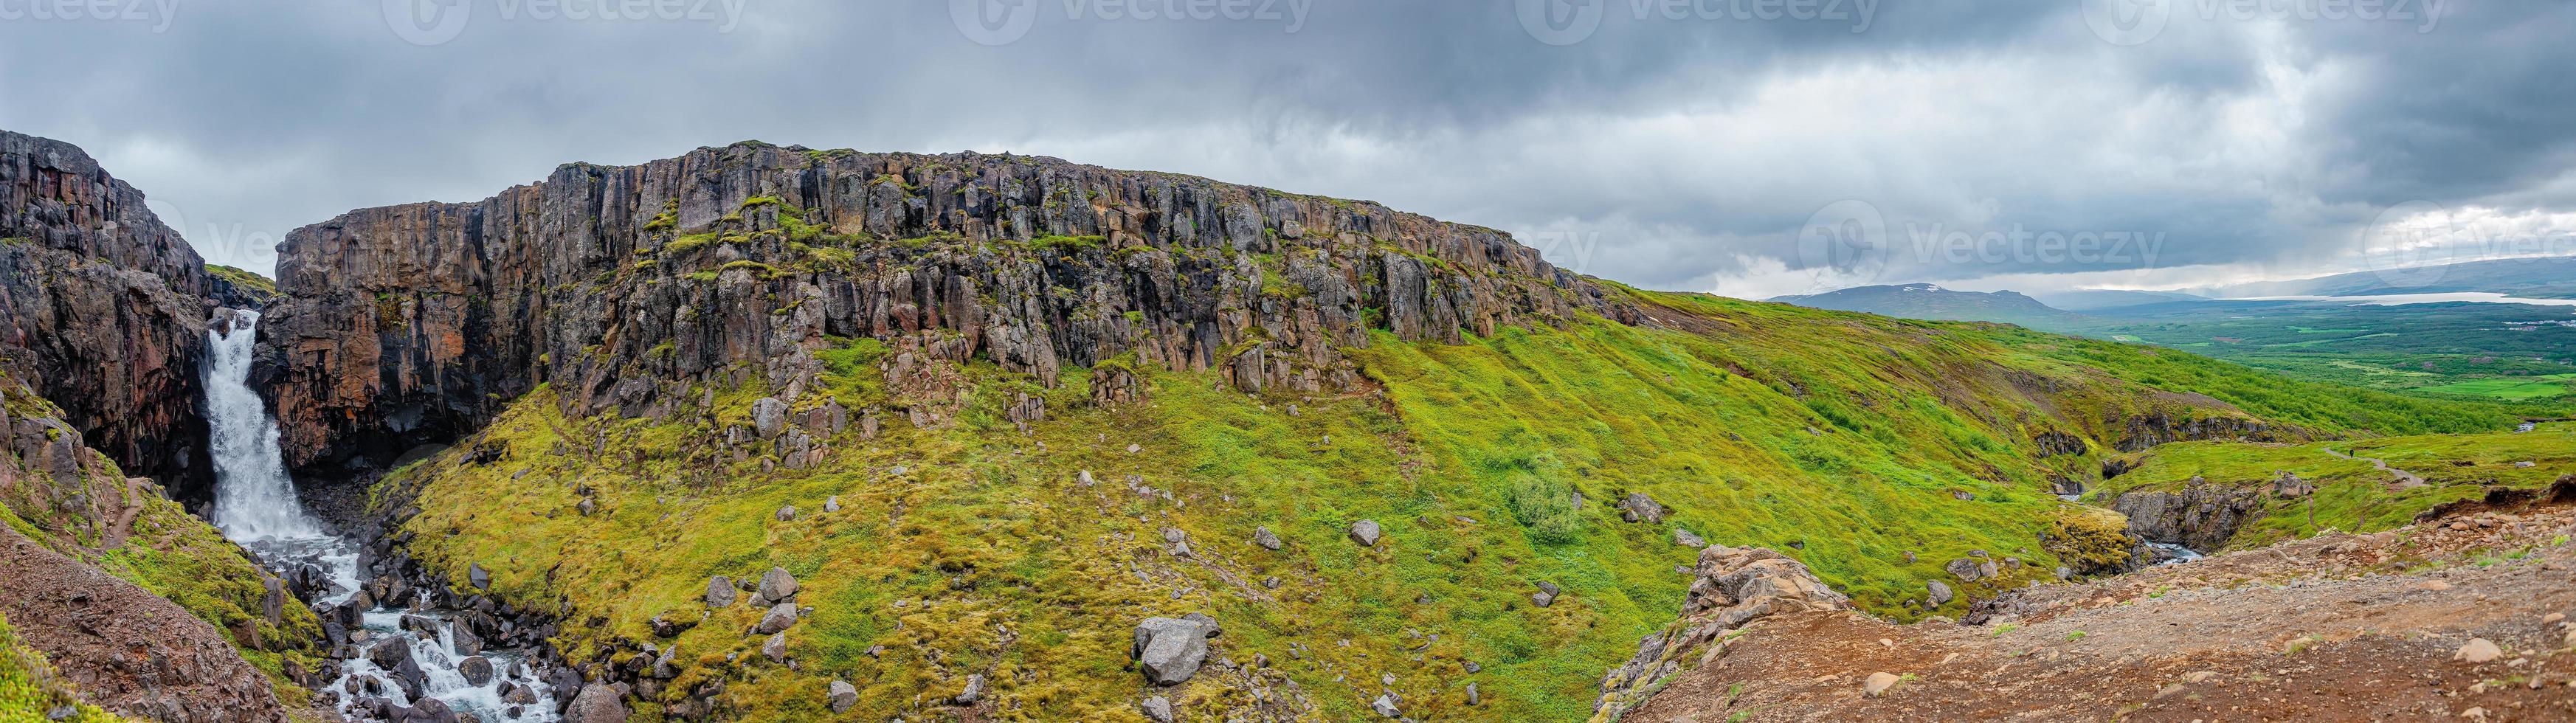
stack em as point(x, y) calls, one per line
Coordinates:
point(634, 288)
point(102, 310)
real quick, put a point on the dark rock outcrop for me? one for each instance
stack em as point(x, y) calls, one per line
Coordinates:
point(623, 285)
point(103, 311)
point(2201, 517)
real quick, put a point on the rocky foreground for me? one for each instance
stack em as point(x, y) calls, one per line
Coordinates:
point(2462, 616)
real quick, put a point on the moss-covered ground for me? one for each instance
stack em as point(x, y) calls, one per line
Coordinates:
point(1848, 441)
point(29, 692)
point(2351, 494)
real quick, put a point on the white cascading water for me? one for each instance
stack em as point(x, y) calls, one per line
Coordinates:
point(255, 505)
point(254, 499)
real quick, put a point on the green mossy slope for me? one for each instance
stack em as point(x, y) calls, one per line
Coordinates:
point(2351, 494)
point(1848, 441)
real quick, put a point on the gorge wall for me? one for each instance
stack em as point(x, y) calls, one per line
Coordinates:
point(626, 287)
point(103, 310)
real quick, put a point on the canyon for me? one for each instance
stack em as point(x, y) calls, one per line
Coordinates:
point(972, 436)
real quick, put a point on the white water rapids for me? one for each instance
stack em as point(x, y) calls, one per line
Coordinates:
point(256, 506)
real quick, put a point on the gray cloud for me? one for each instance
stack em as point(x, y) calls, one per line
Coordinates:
point(1682, 153)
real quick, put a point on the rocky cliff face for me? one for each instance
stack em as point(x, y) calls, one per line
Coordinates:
point(635, 288)
point(102, 310)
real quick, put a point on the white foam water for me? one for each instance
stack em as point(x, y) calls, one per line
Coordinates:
point(255, 505)
point(254, 499)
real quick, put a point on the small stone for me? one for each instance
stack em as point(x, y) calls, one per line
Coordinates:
point(1365, 532)
point(2479, 650)
point(1263, 537)
point(1385, 706)
point(1686, 539)
point(1472, 698)
point(1174, 534)
point(480, 578)
point(719, 592)
point(1157, 709)
point(776, 648)
point(1878, 684)
point(787, 513)
point(1940, 593)
point(843, 696)
point(1546, 594)
point(974, 690)
point(832, 504)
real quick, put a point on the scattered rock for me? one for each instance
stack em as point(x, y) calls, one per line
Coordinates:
point(1941, 594)
point(769, 416)
point(1686, 539)
point(1385, 706)
point(1546, 594)
point(787, 513)
point(1966, 569)
point(1365, 532)
point(832, 504)
point(477, 670)
point(1170, 650)
point(843, 696)
point(1878, 684)
point(776, 648)
point(719, 592)
point(777, 585)
point(1157, 709)
point(2479, 650)
point(779, 618)
point(1637, 507)
point(597, 703)
point(1263, 537)
point(1472, 698)
point(974, 690)
point(480, 578)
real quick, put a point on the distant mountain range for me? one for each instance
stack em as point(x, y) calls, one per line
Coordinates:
point(1927, 301)
point(2093, 299)
point(2545, 277)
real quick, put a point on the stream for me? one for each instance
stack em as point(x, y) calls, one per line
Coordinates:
point(405, 652)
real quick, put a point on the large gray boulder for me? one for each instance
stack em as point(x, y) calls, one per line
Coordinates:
point(597, 703)
point(769, 416)
point(720, 592)
point(777, 585)
point(476, 669)
point(1170, 650)
point(779, 618)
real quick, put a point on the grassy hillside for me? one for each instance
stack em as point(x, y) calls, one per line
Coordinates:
point(1846, 440)
point(2353, 495)
point(29, 691)
point(163, 549)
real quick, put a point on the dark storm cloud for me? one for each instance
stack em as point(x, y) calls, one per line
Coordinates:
point(1675, 145)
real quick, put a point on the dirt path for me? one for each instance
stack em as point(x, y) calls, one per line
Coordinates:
point(2345, 627)
point(2405, 479)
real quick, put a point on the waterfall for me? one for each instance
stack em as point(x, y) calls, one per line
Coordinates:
point(254, 499)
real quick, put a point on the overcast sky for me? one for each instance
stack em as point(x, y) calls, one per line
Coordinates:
point(1746, 147)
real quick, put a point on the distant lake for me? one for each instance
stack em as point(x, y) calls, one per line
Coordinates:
point(2480, 297)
